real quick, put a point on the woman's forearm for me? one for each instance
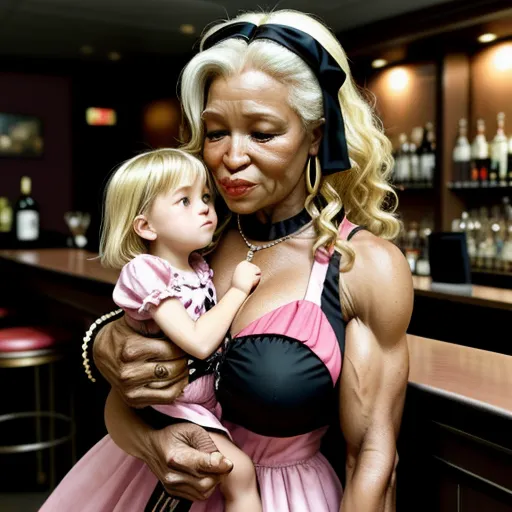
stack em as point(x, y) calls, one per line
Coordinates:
point(370, 484)
point(125, 427)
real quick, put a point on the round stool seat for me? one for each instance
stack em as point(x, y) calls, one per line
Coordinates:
point(24, 339)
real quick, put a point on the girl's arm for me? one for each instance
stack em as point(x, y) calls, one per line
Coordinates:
point(202, 337)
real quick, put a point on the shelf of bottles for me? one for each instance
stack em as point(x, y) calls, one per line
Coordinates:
point(482, 164)
point(489, 237)
point(415, 159)
point(413, 242)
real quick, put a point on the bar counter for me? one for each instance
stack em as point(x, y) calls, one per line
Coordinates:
point(444, 367)
point(455, 444)
point(85, 265)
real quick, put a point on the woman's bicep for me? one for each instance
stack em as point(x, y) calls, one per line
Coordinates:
point(376, 365)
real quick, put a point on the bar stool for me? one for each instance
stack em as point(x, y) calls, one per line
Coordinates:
point(34, 347)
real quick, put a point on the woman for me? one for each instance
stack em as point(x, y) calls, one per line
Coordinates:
point(268, 101)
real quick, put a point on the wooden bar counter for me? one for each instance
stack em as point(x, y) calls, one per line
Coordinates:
point(456, 441)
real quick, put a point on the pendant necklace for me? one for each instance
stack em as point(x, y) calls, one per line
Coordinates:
point(255, 248)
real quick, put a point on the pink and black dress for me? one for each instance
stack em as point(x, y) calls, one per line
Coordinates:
point(277, 381)
point(143, 284)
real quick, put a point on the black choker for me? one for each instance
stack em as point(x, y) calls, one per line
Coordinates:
point(255, 230)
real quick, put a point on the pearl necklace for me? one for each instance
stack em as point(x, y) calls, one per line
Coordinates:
point(255, 248)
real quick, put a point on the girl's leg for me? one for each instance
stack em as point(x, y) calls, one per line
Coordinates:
point(240, 487)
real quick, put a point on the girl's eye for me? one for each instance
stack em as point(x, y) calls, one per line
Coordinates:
point(262, 137)
point(207, 198)
point(185, 201)
point(216, 135)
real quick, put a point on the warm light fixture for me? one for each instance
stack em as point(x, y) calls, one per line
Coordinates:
point(487, 38)
point(188, 29)
point(86, 49)
point(398, 79)
point(379, 63)
point(503, 57)
point(114, 56)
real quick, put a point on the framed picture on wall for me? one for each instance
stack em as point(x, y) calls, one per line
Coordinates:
point(20, 135)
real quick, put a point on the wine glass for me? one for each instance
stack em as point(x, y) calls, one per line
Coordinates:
point(78, 222)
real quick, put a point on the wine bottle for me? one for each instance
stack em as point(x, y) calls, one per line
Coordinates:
point(5, 215)
point(480, 154)
point(499, 154)
point(427, 155)
point(416, 136)
point(26, 213)
point(462, 155)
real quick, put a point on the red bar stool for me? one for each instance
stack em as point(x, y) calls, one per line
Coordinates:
point(34, 347)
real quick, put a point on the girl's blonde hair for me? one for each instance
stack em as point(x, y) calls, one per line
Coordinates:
point(363, 191)
point(131, 191)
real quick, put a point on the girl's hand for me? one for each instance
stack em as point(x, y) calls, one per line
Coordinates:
point(246, 277)
point(128, 361)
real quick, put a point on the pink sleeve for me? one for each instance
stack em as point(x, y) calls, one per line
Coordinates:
point(143, 283)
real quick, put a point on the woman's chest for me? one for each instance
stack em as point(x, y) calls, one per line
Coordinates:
point(285, 270)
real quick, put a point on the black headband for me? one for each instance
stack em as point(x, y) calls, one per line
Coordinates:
point(333, 154)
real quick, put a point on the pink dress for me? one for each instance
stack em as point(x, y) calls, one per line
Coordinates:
point(143, 284)
point(292, 473)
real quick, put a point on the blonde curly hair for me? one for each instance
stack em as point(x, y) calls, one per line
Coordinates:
point(363, 191)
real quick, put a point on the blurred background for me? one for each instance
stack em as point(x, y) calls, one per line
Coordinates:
point(86, 84)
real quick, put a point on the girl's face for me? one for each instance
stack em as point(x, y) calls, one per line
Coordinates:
point(182, 220)
point(256, 146)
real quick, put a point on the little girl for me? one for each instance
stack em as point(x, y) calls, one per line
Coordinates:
point(158, 211)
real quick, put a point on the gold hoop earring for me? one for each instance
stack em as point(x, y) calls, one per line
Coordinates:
point(313, 169)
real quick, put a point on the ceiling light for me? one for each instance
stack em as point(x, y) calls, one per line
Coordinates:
point(86, 49)
point(114, 56)
point(503, 58)
point(487, 38)
point(379, 63)
point(398, 79)
point(188, 29)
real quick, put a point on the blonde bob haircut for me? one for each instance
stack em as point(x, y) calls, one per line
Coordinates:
point(132, 190)
point(363, 191)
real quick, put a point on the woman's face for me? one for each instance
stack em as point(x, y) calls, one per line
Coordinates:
point(256, 146)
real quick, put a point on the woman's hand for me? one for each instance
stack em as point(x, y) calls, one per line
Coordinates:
point(129, 362)
point(185, 459)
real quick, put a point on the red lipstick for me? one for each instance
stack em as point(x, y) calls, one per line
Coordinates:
point(236, 187)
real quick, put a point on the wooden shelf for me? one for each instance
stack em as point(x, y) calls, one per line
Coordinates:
point(471, 186)
point(405, 187)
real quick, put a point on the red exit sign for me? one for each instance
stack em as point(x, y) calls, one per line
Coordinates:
point(100, 116)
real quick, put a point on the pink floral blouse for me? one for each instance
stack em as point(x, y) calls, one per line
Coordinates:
point(147, 280)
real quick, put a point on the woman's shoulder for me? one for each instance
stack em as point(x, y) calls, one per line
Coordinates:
point(380, 277)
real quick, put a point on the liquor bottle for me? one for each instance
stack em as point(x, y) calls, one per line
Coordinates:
point(506, 253)
point(416, 136)
point(499, 154)
point(5, 215)
point(462, 155)
point(402, 161)
point(480, 154)
point(26, 213)
point(427, 155)
point(509, 165)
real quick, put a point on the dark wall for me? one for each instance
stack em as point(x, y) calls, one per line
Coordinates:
point(47, 97)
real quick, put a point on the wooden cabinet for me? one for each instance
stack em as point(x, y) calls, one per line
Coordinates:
point(455, 456)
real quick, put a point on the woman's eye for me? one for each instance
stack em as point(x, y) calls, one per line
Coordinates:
point(216, 135)
point(262, 137)
point(207, 198)
point(185, 201)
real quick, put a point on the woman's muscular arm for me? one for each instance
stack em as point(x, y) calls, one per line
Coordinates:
point(376, 366)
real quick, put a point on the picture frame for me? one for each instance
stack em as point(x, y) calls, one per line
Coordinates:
point(21, 136)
